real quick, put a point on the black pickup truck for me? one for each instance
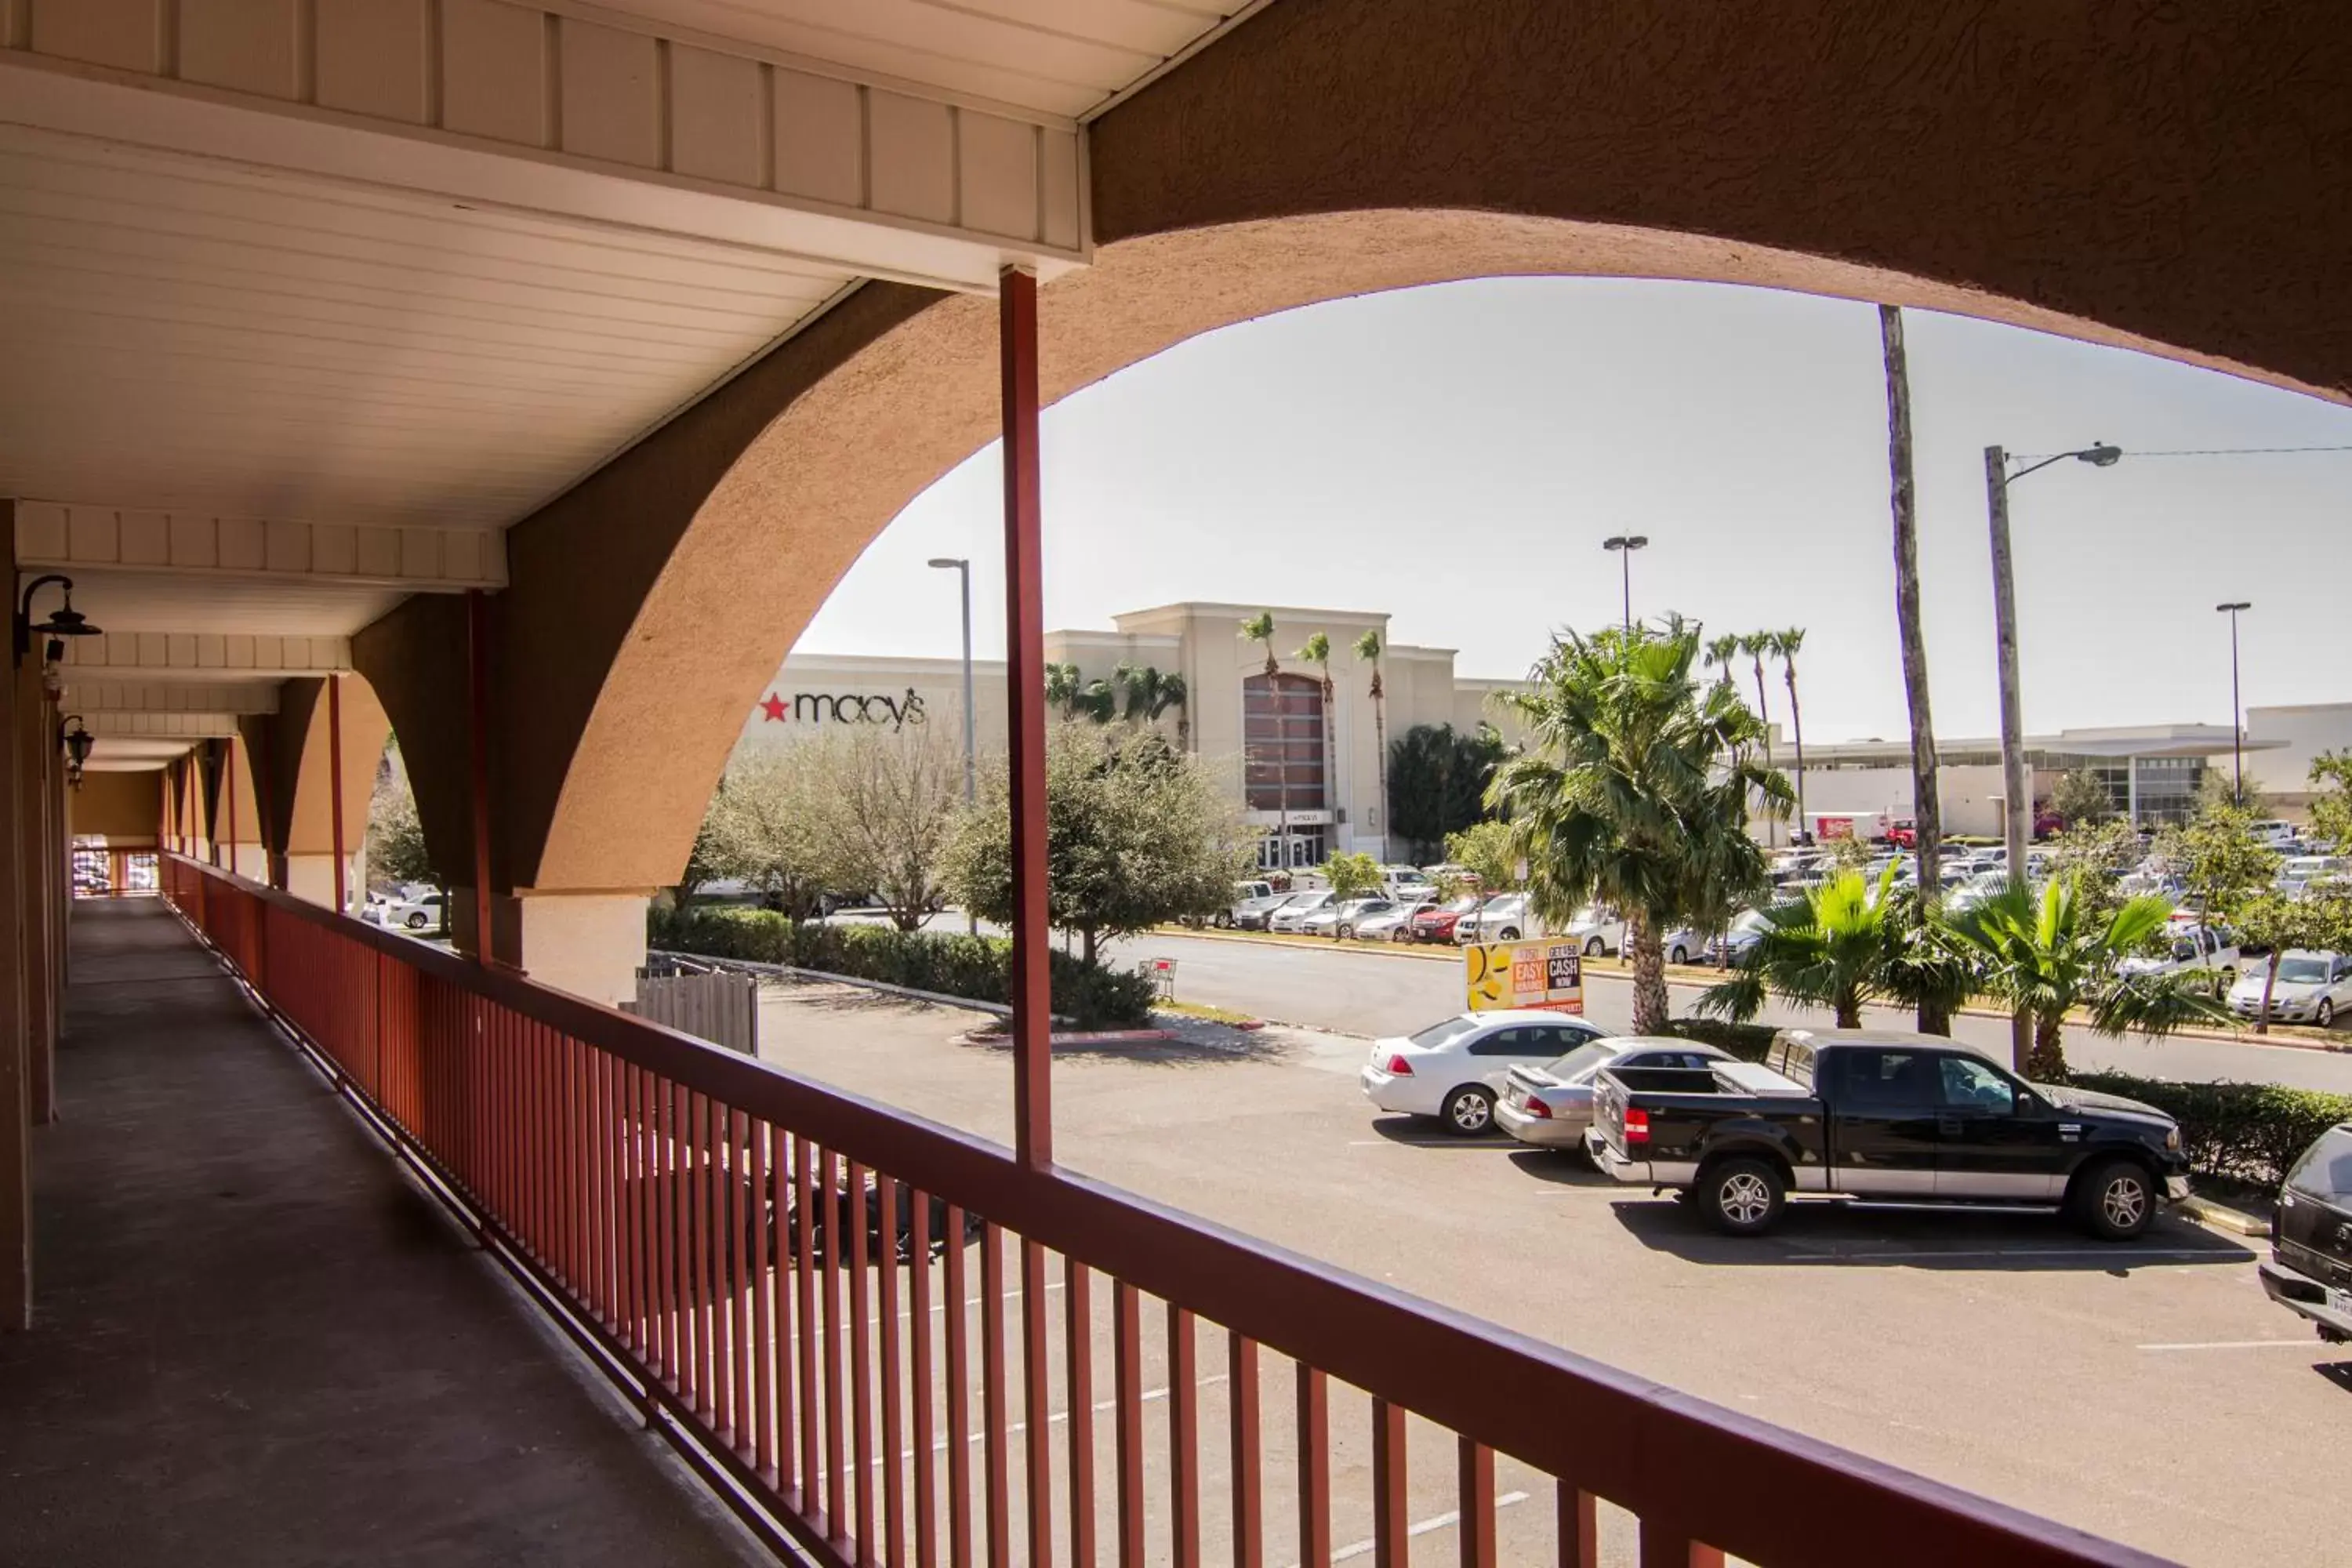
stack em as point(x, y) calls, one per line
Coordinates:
point(1888, 1118)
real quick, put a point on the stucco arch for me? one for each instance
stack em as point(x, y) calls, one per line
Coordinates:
point(2171, 179)
point(293, 768)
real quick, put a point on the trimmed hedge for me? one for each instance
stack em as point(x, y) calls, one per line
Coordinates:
point(2249, 1132)
point(952, 964)
point(1748, 1042)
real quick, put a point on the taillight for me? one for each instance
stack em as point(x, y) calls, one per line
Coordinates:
point(1537, 1109)
point(1398, 1068)
point(1637, 1125)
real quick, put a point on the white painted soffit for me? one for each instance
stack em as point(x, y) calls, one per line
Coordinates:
point(154, 656)
point(181, 727)
point(93, 697)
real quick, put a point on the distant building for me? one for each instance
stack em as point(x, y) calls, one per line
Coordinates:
point(1231, 709)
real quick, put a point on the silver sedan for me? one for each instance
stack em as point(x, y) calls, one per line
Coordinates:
point(1550, 1106)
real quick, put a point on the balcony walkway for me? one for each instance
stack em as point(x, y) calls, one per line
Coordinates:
point(257, 1342)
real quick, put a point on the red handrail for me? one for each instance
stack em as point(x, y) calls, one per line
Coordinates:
point(643, 1178)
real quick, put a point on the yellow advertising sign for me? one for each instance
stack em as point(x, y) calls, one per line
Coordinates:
point(1548, 974)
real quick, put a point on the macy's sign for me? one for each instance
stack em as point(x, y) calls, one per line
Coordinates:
point(851, 707)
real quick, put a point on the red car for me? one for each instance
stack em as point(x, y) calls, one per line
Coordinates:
point(1903, 834)
point(1436, 924)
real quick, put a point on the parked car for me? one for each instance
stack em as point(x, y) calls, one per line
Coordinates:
point(1436, 924)
point(1250, 913)
point(1456, 1070)
point(2309, 1270)
point(1395, 923)
point(2272, 833)
point(1550, 1106)
point(2193, 946)
point(2311, 988)
point(2298, 872)
point(423, 911)
point(1341, 917)
point(1506, 916)
point(1597, 928)
point(1684, 944)
point(1746, 928)
point(1405, 881)
point(1292, 916)
point(1883, 1115)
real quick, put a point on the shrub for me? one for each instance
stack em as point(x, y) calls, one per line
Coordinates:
point(952, 964)
point(2249, 1132)
point(1748, 1042)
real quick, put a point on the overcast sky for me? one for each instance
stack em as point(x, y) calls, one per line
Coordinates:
point(1456, 455)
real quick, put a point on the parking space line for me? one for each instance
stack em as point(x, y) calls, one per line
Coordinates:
point(2216, 1254)
point(1435, 1522)
point(2232, 1345)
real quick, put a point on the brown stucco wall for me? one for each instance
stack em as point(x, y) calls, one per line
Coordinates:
point(2168, 178)
point(291, 766)
point(123, 806)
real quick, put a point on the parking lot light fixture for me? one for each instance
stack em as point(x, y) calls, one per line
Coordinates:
point(1624, 544)
point(2237, 706)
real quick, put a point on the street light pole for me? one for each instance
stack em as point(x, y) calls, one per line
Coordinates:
point(1624, 544)
point(2237, 708)
point(963, 569)
point(2017, 805)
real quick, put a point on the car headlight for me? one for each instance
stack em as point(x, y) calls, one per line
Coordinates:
point(2172, 1140)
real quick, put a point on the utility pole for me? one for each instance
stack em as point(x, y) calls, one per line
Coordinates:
point(2017, 805)
point(2237, 708)
point(1926, 805)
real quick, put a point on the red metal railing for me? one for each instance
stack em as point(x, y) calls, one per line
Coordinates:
point(684, 1207)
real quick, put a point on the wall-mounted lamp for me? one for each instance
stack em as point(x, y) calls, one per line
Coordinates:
point(64, 622)
point(77, 742)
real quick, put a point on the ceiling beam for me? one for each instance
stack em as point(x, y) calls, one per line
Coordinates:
point(203, 656)
point(69, 536)
point(93, 697)
point(161, 726)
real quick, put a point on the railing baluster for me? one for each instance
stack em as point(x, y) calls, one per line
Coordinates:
point(1036, 1402)
point(681, 1199)
point(894, 1534)
point(958, 1432)
point(1078, 1355)
point(836, 1522)
point(1389, 1543)
point(804, 1330)
point(1314, 1467)
point(1184, 1436)
point(1666, 1545)
point(742, 1193)
point(763, 1323)
point(1240, 1380)
point(706, 1279)
point(861, 1361)
point(783, 1469)
point(919, 1296)
point(991, 1391)
point(639, 1318)
point(1580, 1526)
point(1476, 1531)
point(1126, 1372)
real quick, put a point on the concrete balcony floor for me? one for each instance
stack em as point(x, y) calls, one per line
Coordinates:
point(257, 1342)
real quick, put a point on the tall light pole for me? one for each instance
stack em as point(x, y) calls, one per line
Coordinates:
point(2237, 708)
point(2017, 808)
point(961, 567)
point(1624, 544)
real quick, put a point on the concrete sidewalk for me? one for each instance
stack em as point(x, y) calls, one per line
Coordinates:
point(256, 1343)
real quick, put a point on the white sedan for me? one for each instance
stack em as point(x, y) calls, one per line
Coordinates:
point(1455, 1070)
point(2312, 988)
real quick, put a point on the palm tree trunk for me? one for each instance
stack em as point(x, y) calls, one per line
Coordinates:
point(1926, 812)
point(2048, 1062)
point(1797, 728)
point(1646, 944)
point(1380, 744)
point(1849, 1009)
point(1770, 835)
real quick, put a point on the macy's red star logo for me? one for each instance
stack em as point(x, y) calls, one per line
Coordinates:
point(773, 707)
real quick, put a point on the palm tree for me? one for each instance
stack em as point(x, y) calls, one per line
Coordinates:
point(1840, 946)
point(1756, 645)
point(1784, 647)
point(1927, 809)
point(2047, 954)
point(1367, 648)
point(1063, 687)
point(1259, 629)
point(1631, 789)
point(1149, 694)
point(1720, 652)
point(1317, 651)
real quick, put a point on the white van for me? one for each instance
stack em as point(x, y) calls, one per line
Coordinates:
point(1405, 882)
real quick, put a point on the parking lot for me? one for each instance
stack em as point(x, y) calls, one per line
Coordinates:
point(2148, 1392)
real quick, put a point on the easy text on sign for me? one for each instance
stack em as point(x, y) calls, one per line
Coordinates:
point(1548, 974)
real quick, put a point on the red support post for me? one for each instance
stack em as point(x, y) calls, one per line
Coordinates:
point(335, 782)
point(478, 704)
point(1025, 630)
point(229, 784)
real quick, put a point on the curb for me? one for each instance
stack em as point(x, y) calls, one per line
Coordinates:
point(2220, 1216)
point(1102, 1038)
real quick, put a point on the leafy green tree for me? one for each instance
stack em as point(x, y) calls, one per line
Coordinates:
point(766, 825)
point(1484, 848)
point(1850, 853)
point(2320, 919)
point(1368, 650)
point(2082, 798)
point(396, 837)
point(2331, 806)
point(2222, 865)
point(1137, 833)
point(1437, 779)
point(2218, 788)
point(887, 802)
point(2096, 857)
point(1837, 946)
point(1632, 788)
point(2048, 954)
point(1352, 876)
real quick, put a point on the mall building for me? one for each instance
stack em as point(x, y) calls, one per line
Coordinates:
point(2152, 772)
point(1313, 762)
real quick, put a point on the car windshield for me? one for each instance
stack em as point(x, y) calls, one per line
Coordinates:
point(2303, 970)
point(1461, 906)
point(1439, 1035)
point(2325, 1170)
point(1583, 1059)
point(1751, 920)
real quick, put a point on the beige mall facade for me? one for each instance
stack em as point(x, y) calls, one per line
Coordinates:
point(1232, 711)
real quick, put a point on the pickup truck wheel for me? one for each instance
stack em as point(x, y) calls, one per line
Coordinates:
point(1742, 1196)
point(2116, 1199)
point(1224, 920)
point(1469, 1112)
